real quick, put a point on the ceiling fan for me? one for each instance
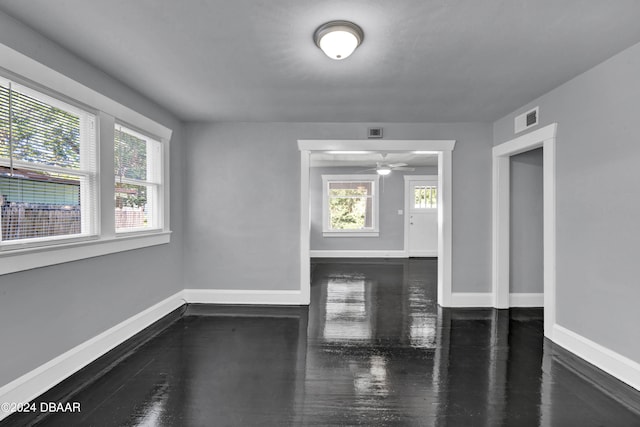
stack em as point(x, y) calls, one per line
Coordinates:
point(383, 168)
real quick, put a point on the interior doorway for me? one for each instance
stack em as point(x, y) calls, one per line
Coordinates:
point(526, 267)
point(443, 148)
point(544, 138)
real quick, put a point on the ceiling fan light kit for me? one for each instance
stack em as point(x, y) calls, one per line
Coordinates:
point(383, 170)
point(338, 39)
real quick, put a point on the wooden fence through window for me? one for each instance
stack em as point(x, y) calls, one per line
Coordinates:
point(30, 220)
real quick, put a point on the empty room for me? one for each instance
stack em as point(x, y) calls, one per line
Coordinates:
point(330, 213)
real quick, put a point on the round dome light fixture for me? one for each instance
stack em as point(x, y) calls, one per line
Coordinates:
point(338, 39)
point(383, 170)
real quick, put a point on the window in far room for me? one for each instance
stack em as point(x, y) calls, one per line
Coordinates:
point(350, 205)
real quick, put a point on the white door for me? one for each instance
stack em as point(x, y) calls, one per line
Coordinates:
point(421, 223)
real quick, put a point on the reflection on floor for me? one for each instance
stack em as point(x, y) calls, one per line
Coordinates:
point(372, 349)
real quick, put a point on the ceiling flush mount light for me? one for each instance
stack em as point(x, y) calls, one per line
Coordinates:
point(338, 39)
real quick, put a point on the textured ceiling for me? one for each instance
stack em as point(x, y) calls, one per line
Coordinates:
point(421, 60)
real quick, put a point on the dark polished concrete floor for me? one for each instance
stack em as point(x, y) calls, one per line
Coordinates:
point(373, 349)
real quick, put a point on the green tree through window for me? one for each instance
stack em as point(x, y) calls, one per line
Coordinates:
point(47, 165)
point(350, 205)
point(41, 133)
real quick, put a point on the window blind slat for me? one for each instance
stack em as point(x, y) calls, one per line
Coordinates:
point(44, 134)
point(48, 186)
point(4, 120)
point(137, 162)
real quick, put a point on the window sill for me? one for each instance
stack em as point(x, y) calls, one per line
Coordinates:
point(350, 234)
point(28, 258)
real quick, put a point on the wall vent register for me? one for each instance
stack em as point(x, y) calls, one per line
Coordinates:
point(527, 120)
point(374, 133)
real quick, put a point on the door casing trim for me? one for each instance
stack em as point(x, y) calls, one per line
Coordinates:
point(444, 149)
point(546, 138)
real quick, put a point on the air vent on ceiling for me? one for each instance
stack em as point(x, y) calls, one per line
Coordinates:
point(374, 133)
point(526, 120)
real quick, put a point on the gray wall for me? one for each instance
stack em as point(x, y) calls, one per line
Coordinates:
point(597, 154)
point(243, 192)
point(526, 272)
point(47, 311)
point(391, 196)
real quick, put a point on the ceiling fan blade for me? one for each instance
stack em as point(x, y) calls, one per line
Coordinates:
point(402, 168)
point(367, 170)
point(397, 165)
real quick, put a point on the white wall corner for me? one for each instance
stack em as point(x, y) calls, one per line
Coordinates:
point(445, 234)
point(615, 364)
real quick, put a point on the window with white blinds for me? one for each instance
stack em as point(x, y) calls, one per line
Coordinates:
point(138, 173)
point(48, 169)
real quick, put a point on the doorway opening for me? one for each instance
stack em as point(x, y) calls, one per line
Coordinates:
point(526, 269)
point(443, 149)
point(543, 138)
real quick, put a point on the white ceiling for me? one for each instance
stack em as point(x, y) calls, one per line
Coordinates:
point(421, 60)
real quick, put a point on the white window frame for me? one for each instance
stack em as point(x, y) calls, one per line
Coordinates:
point(373, 231)
point(27, 72)
point(87, 173)
point(154, 179)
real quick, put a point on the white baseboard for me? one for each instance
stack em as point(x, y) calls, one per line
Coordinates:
point(485, 299)
point(358, 254)
point(471, 299)
point(526, 300)
point(41, 379)
point(231, 296)
point(46, 376)
point(424, 254)
point(620, 367)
